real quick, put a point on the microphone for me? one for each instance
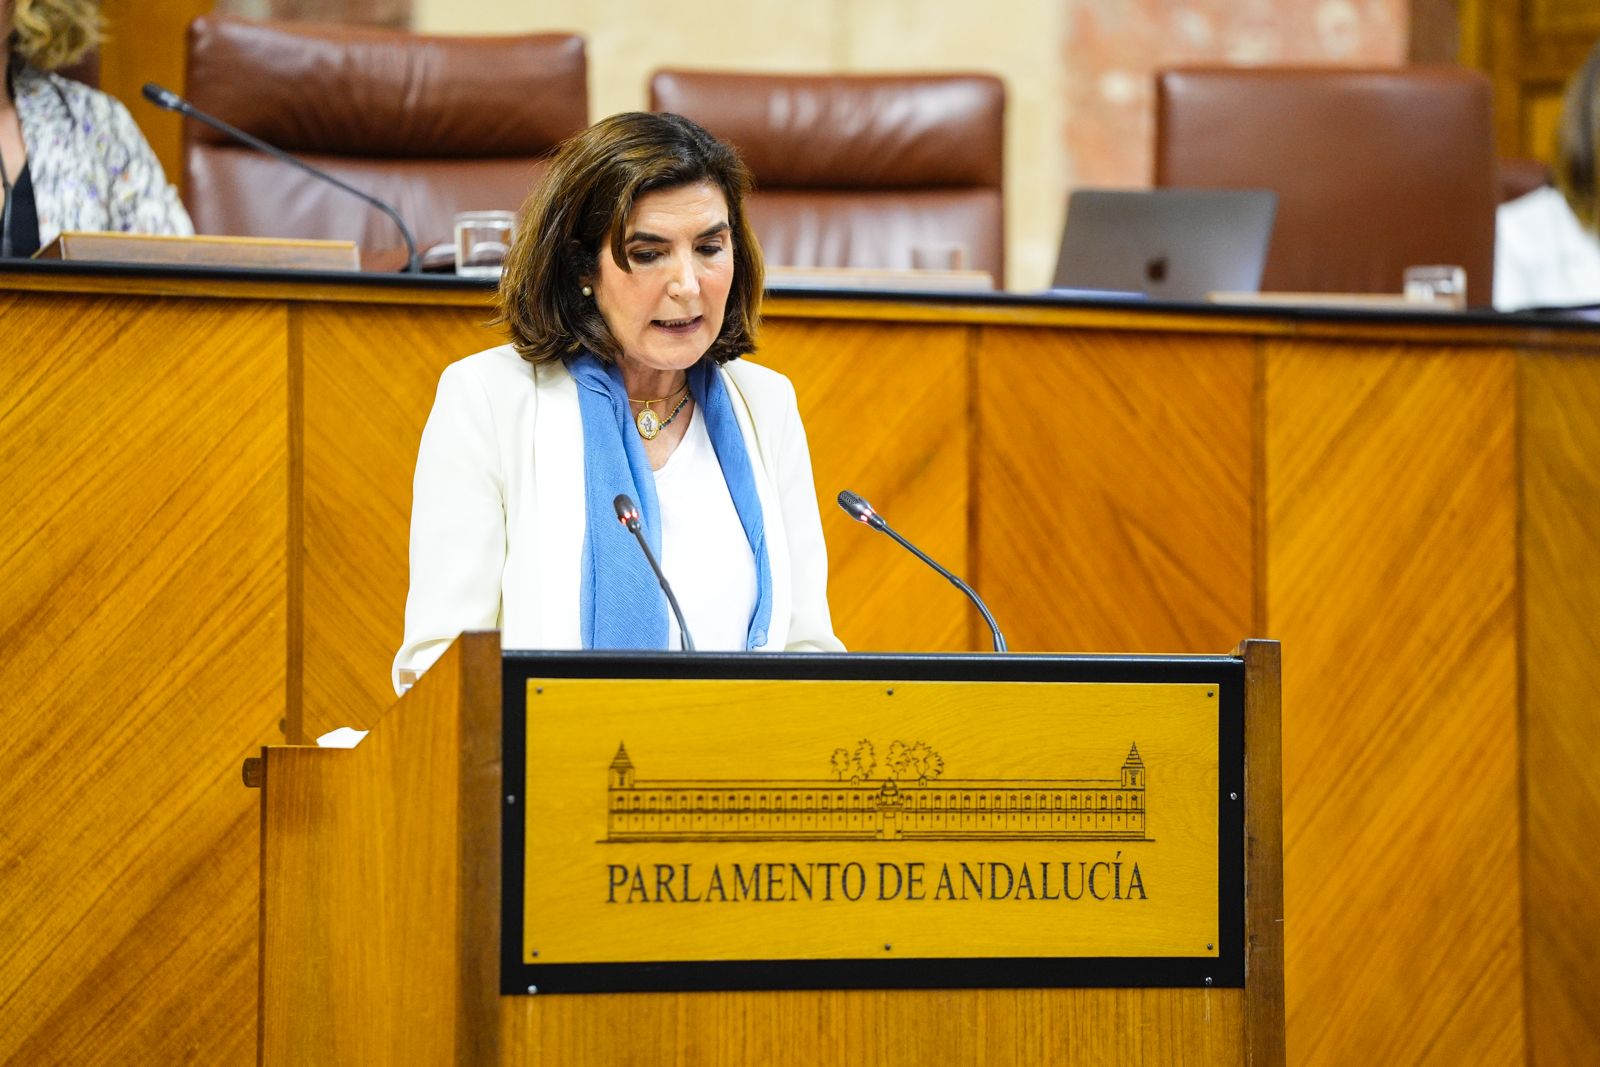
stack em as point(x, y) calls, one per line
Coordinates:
point(861, 511)
point(628, 515)
point(171, 101)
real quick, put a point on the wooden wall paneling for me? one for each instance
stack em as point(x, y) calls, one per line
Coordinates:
point(886, 409)
point(887, 1028)
point(1529, 48)
point(1391, 568)
point(142, 459)
point(1560, 442)
point(370, 374)
point(1114, 477)
point(1575, 17)
point(388, 14)
point(1433, 31)
point(146, 41)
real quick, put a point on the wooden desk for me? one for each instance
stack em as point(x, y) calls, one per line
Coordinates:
point(207, 484)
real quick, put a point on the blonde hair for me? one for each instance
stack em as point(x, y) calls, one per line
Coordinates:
point(53, 33)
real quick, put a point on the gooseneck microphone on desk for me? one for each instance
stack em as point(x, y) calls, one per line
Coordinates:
point(171, 101)
point(862, 511)
point(628, 515)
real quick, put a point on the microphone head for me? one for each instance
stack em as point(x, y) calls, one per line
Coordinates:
point(859, 509)
point(162, 98)
point(627, 512)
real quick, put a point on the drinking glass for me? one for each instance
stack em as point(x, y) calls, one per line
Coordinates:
point(938, 255)
point(482, 240)
point(1439, 284)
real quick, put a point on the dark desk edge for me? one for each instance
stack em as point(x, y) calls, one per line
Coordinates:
point(1570, 319)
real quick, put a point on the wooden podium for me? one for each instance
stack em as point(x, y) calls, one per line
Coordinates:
point(502, 791)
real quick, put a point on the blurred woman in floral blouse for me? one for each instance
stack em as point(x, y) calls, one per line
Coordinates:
point(71, 158)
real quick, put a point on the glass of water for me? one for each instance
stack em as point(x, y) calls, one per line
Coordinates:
point(483, 238)
point(1441, 285)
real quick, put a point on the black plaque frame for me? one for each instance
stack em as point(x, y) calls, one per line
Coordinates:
point(1225, 970)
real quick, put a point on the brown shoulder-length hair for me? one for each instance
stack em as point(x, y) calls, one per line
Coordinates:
point(1578, 159)
point(54, 33)
point(585, 200)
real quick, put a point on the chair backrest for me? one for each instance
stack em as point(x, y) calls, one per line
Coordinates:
point(434, 125)
point(1375, 170)
point(1521, 175)
point(85, 69)
point(855, 170)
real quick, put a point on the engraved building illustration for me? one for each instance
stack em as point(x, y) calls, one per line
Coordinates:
point(1076, 809)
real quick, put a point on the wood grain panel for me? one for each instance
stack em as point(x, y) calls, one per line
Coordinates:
point(142, 460)
point(884, 1028)
point(351, 289)
point(1560, 408)
point(146, 42)
point(1529, 48)
point(374, 888)
point(1564, 16)
point(370, 374)
point(898, 435)
point(1263, 837)
point(1114, 489)
point(1390, 555)
point(1388, 566)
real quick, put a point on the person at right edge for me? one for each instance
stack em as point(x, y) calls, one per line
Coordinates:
point(1547, 243)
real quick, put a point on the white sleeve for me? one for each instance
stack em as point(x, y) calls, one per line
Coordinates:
point(1511, 282)
point(458, 524)
point(811, 623)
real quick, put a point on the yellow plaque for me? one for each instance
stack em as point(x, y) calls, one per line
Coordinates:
point(682, 821)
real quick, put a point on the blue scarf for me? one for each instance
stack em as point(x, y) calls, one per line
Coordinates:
point(621, 606)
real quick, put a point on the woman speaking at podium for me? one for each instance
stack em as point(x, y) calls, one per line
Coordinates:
point(71, 158)
point(632, 288)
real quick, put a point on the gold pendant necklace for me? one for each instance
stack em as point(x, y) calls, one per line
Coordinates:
point(649, 423)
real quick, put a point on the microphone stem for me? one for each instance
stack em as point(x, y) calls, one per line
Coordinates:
point(413, 262)
point(994, 629)
point(685, 642)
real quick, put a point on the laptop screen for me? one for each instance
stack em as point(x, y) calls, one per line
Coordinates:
point(1170, 244)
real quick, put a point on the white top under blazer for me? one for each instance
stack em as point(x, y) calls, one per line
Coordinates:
point(498, 509)
point(705, 552)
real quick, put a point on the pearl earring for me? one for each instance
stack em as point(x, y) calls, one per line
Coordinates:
point(587, 290)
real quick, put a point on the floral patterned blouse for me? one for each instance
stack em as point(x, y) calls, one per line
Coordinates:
point(91, 168)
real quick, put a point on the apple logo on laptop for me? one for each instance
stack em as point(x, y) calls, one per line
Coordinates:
point(1156, 270)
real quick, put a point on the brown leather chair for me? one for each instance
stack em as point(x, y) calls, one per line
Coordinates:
point(854, 171)
point(86, 69)
point(434, 125)
point(1520, 175)
point(1375, 170)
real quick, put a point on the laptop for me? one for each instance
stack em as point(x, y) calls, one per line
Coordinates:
point(1169, 244)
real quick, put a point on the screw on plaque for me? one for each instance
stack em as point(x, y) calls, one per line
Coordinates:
point(1208, 980)
point(535, 989)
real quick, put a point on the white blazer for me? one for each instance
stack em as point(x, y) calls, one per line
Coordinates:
point(1543, 257)
point(498, 509)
